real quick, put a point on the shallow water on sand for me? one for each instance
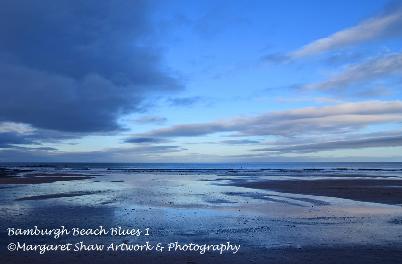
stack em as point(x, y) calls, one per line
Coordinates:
point(193, 203)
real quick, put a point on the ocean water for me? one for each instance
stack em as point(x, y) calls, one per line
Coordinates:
point(251, 166)
point(259, 171)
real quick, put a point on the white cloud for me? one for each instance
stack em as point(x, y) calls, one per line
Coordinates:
point(19, 128)
point(381, 26)
point(310, 120)
point(376, 68)
point(355, 143)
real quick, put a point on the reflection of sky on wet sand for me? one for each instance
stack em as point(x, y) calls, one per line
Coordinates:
point(201, 207)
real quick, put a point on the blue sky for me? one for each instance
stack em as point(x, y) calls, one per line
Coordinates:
point(205, 81)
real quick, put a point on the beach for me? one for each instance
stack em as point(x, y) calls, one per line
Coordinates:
point(275, 213)
point(386, 191)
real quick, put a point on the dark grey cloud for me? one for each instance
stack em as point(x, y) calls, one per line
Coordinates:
point(77, 65)
point(371, 142)
point(145, 140)
point(8, 139)
point(190, 130)
point(151, 119)
point(14, 137)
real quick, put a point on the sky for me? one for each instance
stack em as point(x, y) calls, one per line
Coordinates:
point(200, 81)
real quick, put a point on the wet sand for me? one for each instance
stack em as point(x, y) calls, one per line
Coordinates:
point(12, 177)
point(57, 195)
point(335, 255)
point(41, 179)
point(366, 190)
point(211, 207)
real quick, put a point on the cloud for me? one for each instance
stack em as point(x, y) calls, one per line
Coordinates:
point(313, 120)
point(151, 150)
point(276, 58)
point(240, 141)
point(134, 154)
point(344, 56)
point(308, 99)
point(372, 69)
point(16, 135)
point(185, 101)
point(15, 127)
point(151, 119)
point(384, 26)
point(145, 140)
point(8, 139)
point(370, 142)
point(17, 140)
point(77, 66)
